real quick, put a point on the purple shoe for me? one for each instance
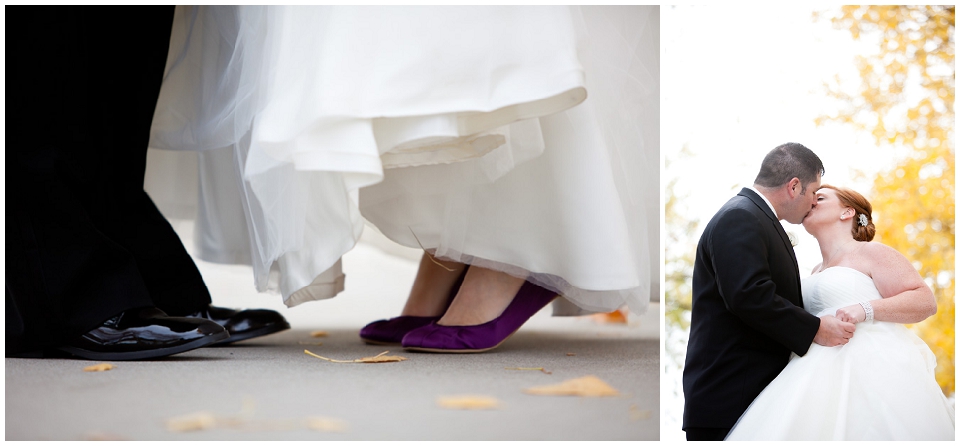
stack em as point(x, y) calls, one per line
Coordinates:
point(391, 331)
point(480, 338)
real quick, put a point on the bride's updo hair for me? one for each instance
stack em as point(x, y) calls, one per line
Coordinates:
point(853, 199)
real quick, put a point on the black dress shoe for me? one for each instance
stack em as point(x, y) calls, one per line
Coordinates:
point(144, 333)
point(243, 324)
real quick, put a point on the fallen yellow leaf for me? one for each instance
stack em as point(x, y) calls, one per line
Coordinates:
point(613, 317)
point(319, 334)
point(98, 368)
point(192, 422)
point(636, 414)
point(585, 386)
point(245, 421)
point(103, 436)
point(381, 358)
point(468, 402)
point(324, 424)
point(369, 360)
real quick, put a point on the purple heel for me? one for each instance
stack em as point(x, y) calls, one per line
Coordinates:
point(391, 331)
point(480, 338)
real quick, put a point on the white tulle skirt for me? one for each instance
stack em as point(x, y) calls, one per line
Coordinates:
point(879, 386)
point(522, 139)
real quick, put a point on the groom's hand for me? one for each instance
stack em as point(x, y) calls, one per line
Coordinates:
point(833, 332)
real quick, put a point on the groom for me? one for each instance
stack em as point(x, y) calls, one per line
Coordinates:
point(747, 311)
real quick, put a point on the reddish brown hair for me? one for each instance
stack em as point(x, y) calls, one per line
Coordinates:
point(860, 205)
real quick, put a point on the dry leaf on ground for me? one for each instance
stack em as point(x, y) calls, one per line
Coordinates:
point(314, 423)
point(319, 334)
point(571, 354)
point(103, 436)
point(468, 402)
point(585, 386)
point(245, 421)
point(98, 367)
point(325, 424)
point(613, 317)
point(636, 414)
point(381, 358)
point(369, 360)
point(192, 422)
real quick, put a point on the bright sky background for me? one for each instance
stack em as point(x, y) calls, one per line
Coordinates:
point(736, 82)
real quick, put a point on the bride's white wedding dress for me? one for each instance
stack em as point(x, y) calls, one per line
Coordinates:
point(879, 386)
point(523, 139)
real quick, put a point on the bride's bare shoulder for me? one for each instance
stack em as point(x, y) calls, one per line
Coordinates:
point(883, 257)
point(874, 248)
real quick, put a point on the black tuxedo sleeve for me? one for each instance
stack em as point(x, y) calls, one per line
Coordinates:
point(741, 247)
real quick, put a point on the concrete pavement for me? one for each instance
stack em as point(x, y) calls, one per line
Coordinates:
point(268, 389)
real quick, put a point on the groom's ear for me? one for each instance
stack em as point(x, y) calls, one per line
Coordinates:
point(794, 187)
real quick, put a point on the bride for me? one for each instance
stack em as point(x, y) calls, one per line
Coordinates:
point(879, 386)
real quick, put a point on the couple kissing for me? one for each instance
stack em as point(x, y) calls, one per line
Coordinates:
point(774, 357)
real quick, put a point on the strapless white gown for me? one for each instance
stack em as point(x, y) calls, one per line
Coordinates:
point(523, 139)
point(879, 386)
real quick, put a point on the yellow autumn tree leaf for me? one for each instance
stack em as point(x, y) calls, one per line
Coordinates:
point(680, 246)
point(913, 199)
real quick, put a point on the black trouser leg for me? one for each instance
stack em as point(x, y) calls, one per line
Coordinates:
point(82, 83)
point(121, 209)
point(707, 434)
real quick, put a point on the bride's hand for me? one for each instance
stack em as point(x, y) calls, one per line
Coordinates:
point(853, 314)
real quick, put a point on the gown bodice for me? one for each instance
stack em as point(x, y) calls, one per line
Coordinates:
point(837, 287)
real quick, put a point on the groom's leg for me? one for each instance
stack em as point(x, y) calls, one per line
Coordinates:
point(706, 434)
point(132, 50)
point(63, 276)
point(128, 53)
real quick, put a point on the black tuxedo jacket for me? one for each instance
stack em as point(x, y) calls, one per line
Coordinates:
point(747, 312)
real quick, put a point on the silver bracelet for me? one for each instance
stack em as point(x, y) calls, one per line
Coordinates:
point(867, 311)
